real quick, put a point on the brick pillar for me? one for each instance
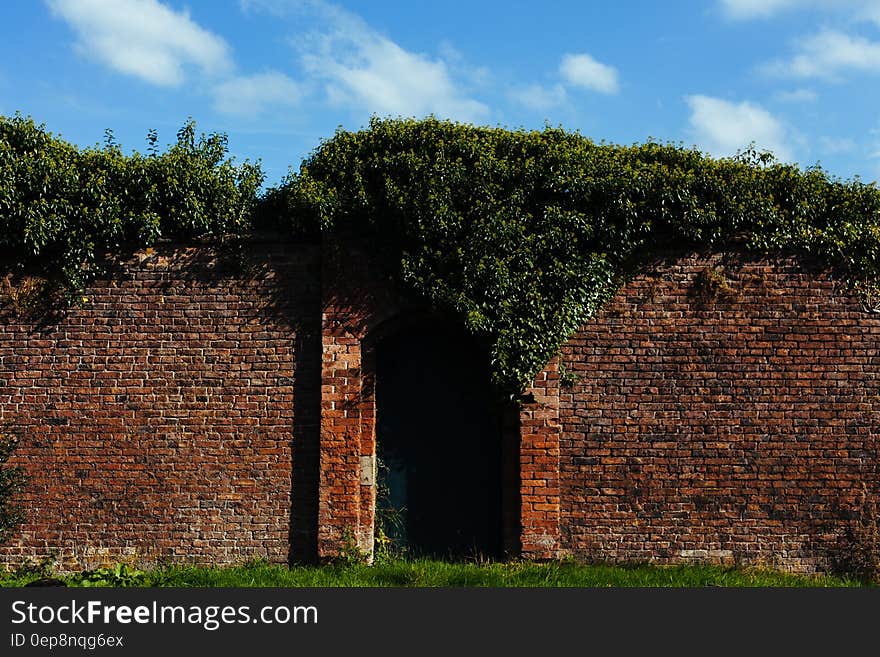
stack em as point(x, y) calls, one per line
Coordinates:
point(340, 479)
point(347, 495)
point(540, 432)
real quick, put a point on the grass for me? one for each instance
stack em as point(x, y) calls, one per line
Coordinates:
point(430, 573)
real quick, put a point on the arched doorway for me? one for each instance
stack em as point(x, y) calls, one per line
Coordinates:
point(438, 443)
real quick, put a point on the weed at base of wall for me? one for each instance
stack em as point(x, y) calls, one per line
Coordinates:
point(858, 554)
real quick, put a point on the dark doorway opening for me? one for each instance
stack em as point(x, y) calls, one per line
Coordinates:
point(438, 441)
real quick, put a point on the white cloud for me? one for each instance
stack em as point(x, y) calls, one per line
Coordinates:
point(253, 94)
point(479, 76)
point(746, 9)
point(575, 70)
point(828, 54)
point(722, 128)
point(275, 7)
point(581, 70)
point(278, 8)
point(538, 97)
point(797, 96)
point(371, 73)
point(143, 38)
point(751, 9)
point(837, 145)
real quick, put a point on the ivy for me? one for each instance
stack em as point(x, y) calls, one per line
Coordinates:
point(13, 481)
point(64, 210)
point(523, 235)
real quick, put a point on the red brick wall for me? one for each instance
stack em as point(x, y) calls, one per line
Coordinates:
point(739, 428)
point(157, 419)
point(196, 409)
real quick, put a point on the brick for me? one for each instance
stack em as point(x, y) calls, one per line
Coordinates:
point(108, 478)
point(187, 410)
point(749, 377)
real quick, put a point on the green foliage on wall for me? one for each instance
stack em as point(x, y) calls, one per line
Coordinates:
point(12, 483)
point(523, 235)
point(63, 209)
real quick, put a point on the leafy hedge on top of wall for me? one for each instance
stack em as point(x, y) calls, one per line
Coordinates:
point(524, 234)
point(62, 209)
point(520, 234)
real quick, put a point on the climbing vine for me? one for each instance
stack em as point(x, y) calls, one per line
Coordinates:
point(521, 235)
point(63, 210)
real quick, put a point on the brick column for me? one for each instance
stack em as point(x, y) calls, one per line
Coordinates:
point(353, 300)
point(540, 433)
point(339, 493)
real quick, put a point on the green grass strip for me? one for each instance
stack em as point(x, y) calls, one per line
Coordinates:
point(430, 573)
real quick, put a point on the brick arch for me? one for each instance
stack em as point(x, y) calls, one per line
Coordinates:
point(358, 309)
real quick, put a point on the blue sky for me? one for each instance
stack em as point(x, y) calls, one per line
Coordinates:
point(798, 77)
